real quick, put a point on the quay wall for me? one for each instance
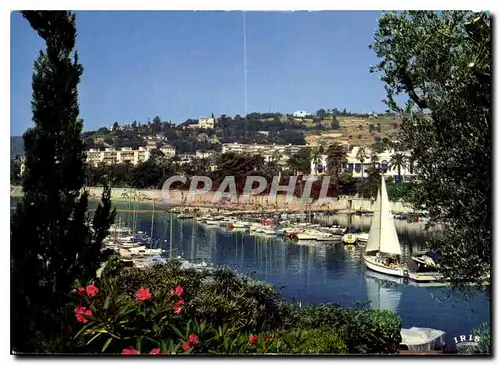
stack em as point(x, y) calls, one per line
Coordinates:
point(343, 203)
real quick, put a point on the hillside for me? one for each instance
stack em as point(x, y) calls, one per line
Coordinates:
point(355, 131)
point(265, 128)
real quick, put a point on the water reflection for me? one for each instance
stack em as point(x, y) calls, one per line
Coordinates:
point(382, 294)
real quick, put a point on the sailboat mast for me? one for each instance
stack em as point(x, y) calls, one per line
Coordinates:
point(380, 221)
point(170, 253)
point(152, 219)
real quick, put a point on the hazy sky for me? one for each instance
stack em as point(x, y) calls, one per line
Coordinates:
point(181, 65)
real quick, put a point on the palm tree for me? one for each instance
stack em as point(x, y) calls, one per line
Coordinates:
point(276, 156)
point(398, 161)
point(316, 159)
point(336, 159)
point(361, 156)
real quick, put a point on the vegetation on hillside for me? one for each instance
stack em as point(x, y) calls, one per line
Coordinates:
point(442, 62)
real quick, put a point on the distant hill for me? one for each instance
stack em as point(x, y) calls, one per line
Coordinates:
point(16, 146)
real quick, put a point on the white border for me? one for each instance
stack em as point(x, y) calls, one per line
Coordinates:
point(7, 6)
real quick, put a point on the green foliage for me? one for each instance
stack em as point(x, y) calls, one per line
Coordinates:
point(300, 161)
point(317, 341)
point(442, 62)
point(362, 330)
point(53, 240)
point(336, 159)
point(227, 313)
point(481, 347)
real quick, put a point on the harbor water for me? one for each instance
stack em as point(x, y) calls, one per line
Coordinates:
point(318, 273)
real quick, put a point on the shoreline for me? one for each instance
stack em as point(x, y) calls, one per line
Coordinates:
point(255, 203)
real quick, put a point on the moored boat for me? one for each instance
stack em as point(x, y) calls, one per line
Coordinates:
point(383, 250)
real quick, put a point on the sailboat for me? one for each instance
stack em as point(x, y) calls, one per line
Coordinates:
point(383, 250)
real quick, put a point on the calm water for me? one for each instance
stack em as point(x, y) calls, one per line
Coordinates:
point(320, 274)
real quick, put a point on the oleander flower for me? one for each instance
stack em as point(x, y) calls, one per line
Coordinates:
point(143, 294)
point(193, 339)
point(91, 290)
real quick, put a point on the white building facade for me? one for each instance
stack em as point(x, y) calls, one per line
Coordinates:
point(113, 156)
point(362, 169)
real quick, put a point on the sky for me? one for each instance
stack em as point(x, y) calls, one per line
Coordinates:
point(181, 65)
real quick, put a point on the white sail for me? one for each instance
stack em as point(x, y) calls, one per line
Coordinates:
point(373, 243)
point(389, 241)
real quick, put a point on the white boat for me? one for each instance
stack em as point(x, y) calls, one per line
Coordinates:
point(349, 238)
point(240, 224)
point(383, 250)
point(268, 231)
point(422, 339)
point(325, 236)
point(363, 237)
point(136, 248)
point(210, 222)
point(306, 236)
point(383, 242)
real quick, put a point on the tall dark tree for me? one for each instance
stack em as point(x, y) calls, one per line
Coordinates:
point(53, 240)
point(321, 113)
point(442, 62)
point(336, 159)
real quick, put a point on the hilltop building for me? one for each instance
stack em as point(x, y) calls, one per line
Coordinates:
point(301, 114)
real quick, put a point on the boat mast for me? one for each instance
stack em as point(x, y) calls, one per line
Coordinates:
point(170, 253)
point(380, 220)
point(152, 219)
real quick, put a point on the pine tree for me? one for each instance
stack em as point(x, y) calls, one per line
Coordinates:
point(53, 239)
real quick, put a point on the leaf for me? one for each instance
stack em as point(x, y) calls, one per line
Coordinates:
point(176, 331)
point(108, 342)
point(93, 338)
point(106, 302)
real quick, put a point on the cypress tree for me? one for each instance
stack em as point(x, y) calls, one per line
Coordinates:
point(54, 240)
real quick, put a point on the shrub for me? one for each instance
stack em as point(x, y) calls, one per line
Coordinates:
point(165, 309)
point(481, 347)
point(317, 341)
point(363, 330)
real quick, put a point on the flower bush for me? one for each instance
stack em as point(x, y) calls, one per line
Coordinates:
point(163, 310)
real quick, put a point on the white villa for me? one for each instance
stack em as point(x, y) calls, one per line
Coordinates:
point(362, 169)
point(301, 114)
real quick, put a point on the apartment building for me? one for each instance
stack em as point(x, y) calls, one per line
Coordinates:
point(205, 154)
point(266, 150)
point(167, 150)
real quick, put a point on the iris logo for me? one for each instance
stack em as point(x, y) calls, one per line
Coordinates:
point(464, 340)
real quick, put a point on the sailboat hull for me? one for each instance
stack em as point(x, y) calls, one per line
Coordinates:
point(374, 264)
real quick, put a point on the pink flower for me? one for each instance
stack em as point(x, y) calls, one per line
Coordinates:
point(180, 302)
point(185, 346)
point(82, 313)
point(91, 290)
point(78, 290)
point(179, 290)
point(177, 309)
point(130, 351)
point(193, 339)
point(253, 339)
point(154, 351)
point(143, 294)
